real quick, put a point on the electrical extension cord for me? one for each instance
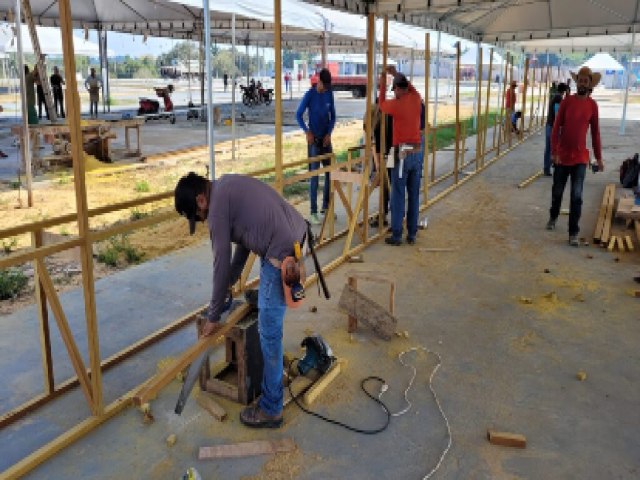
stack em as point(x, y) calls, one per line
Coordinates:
point(384, 388)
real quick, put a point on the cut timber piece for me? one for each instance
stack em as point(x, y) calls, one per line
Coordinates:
point(531, 179)
point(298, 386)
point(636, 224)
point(366, 310)
point(206, 401)
point(319, 385)
point(606, 229)
point(612, 244)
point(620, 244)
point(627, 239)
point(606, 198)
point(506, 439)
point(247, 449)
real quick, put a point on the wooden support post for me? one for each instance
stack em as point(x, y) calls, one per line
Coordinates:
point(277, 46)
point(75, 133)
point(486, 107)
point(501, 121)
point(524, 97)
point(507, 123)
point(533, 89)
point(382, 167)
point(425, 150)
point(479, 111)
point(43, 315)
point(540, 115)
point(457, 148)
point(433, 155)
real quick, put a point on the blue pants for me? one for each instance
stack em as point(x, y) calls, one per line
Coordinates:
point(410, 181)
point(560, 175)
point(314, 150)
point(271, 310)
point(547, 151)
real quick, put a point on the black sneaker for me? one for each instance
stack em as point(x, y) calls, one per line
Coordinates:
point(373, 223)
point(573, 241)
point(551, 225)
point(393, 241)
point(411, 240)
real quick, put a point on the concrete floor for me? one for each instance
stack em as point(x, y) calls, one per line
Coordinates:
point(506, 365)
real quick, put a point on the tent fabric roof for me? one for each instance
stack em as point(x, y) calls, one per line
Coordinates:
point(603, 61)
point(50, 42)
point(470, 57)
point(503, 21)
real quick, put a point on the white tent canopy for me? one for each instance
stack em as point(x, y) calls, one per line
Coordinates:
point(470, 57)
point(603, 62)
point(50, 42)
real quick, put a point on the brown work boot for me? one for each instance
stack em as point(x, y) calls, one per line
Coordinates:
point(254, 417)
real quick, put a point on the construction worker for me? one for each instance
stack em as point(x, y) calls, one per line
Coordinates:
point(569, 152)
point(242, 210)
point(58, 96)
point(322, 118)
point(406, 110)
point(93, 84)
point(510, 101)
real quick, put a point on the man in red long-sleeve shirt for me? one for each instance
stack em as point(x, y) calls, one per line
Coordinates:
point(405, 109)
point(569, 151)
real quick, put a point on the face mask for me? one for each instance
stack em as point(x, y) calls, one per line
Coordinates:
point(582, 91)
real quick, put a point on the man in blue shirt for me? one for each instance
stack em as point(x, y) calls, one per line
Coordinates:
point(322, 118)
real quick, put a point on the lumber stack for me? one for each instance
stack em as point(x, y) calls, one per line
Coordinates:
point(605, 216)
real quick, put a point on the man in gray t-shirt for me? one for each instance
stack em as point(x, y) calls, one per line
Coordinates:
point(242, 210)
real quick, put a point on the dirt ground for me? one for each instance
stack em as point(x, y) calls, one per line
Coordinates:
point(54, 195)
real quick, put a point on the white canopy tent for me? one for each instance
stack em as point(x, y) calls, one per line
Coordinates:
point(611, 70)
point(50, 42)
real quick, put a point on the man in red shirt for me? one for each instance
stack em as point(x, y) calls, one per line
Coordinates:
point(510, 98)
point(405, 109)
point(568, 149)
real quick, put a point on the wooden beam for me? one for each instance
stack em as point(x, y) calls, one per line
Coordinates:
point(479, 111)
point(486, 106)
point(629, 242)
point(506, 439)
point(524, 97)
point(247, 449)
point(163, 378)
point(606, 229)
point(322, 383)
point(457, 147)
point(530, 180)
point(65, 333)
point(43, 316)
point(597, 235)
point(206, 401)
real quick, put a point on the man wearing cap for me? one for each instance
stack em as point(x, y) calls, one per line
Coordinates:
point(510, 101)
point(554, 106)
point(242, 210)
point(569, 153)
point(318, 101)
point(405, 109)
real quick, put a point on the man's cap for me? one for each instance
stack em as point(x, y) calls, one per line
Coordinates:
point(188, 187)
point(400, 81)
point(325, 77)
point(562, 87)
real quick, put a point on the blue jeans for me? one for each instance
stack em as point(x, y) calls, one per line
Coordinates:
point(410, 180)
point(314, 150)
point(560, 175)
point(547, 151)
point(271, 310)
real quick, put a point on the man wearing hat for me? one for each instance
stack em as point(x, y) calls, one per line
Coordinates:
point(406, 110)
point(510, 103)
point(569, 153)
point(318, 101)
point(242, 210)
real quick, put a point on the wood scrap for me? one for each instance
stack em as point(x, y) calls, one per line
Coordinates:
point(620, 244)
point(612, 244)
point(630, 246)
point(530, 180)
point(247, 449)
point(606, 228)
point(298, 386)
point(636, 224)
point(363, 309)
point(322, 383)
point(506, 439)
point(206, 401)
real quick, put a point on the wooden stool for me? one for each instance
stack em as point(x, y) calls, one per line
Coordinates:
point(240, 378)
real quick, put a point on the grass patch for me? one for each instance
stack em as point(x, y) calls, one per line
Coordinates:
point(12, 282)
point(9, 245)
point(119, 252)
point(15, 184)
point(64, 178)
point(446, 133)
point(142, 186)
point(137, 214)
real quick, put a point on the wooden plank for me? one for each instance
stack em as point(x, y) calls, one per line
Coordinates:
point(65, 331)
point(247, 449)
point(347, 207)
point(298, 386)
point(612, 243)
point(636, 225)
point(43, 316)
point(346, 177)
point(629, 242)
point(206, 401)
point(597, 235)
point(620, 244)
point(352, 325)
point(606, 230)
point(506, 439)
point(163, 378)
point(322, 383)
point(530, 180)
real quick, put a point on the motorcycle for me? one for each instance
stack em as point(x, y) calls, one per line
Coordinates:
point(266, 95)
point(249, 96)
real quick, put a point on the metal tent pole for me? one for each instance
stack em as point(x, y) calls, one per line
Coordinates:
point(626, 90)
point(437, 82)
point(233, 87)
point(26, 136)
point(207, 62)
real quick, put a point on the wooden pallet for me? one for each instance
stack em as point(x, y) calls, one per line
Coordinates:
point(603, 225)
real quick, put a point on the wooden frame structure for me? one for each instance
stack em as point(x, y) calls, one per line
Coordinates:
point(89, 377)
